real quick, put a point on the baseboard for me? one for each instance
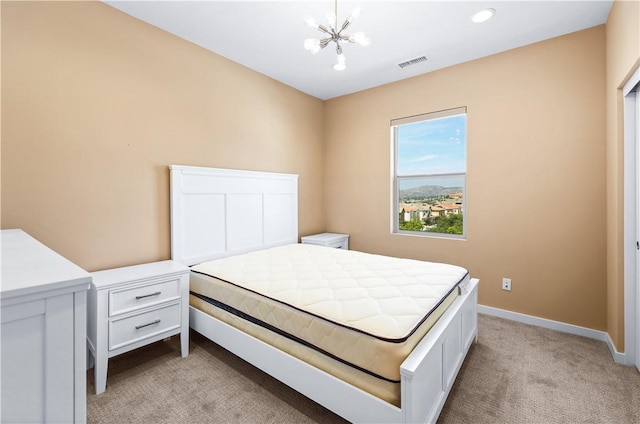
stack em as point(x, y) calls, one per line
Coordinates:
point(619, 357)
point(557, 326)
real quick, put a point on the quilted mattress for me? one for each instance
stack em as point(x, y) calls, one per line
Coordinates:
point(352, 314)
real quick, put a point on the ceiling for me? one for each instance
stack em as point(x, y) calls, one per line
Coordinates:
point(268, 36)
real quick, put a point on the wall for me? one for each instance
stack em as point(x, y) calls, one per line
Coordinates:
point(623, 57)
point(96, 105)
point(536, 197)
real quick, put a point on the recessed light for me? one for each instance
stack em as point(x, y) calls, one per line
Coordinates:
point(483, 16)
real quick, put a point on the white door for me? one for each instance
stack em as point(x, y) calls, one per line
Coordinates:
point(631, 253)
point(637, 195)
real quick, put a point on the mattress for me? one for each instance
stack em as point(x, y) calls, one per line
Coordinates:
point(352, 314)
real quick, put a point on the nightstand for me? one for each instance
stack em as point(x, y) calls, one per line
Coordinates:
point(133, 306)
point(338, 241)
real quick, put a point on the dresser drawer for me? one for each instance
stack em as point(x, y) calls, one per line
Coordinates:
point(134, 328)
point(132, 298)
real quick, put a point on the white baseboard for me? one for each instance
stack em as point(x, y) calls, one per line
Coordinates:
point(557, 326)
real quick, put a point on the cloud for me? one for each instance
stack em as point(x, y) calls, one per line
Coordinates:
point(423, 158)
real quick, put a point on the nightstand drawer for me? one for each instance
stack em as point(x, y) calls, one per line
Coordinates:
point(139, 327)
point(132, 298)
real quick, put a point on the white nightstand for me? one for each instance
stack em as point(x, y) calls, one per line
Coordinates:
point(133, 306)
point(339, 241)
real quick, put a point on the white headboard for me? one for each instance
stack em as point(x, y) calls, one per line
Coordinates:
point(222, 212)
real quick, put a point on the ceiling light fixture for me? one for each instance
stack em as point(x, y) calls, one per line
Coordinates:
point(483, 15)
point(314, 45)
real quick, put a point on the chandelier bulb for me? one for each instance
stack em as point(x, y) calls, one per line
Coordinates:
point(342, 62)
point(340, 66)
point(312, 45)
point(359, 38)
point(311, 22)
point(354, 14)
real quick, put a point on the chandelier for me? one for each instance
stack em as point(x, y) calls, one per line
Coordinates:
point(332, 33)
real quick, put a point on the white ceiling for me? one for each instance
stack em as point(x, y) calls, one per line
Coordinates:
point(268, 36)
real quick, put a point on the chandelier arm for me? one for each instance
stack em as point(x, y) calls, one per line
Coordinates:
point(324, 42)
point(344, 25)
point(324, 29)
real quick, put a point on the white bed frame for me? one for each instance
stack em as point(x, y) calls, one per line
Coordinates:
point(220, 212)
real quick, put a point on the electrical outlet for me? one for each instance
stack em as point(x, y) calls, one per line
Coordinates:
point(506, 284)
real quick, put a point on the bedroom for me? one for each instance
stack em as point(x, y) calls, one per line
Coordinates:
point(96, 104)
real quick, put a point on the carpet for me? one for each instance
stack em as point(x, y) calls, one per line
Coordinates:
point(515, 373)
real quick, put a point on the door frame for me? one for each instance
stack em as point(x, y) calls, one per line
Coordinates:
point(631, 224)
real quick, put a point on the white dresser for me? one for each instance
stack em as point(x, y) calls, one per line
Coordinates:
point(43, 315)
point(133, 306)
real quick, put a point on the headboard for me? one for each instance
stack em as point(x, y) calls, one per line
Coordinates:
point(221, 212)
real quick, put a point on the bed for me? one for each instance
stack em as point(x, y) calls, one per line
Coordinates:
point(224, 215)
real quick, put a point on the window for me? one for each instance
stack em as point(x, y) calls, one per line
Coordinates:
point(429, 173)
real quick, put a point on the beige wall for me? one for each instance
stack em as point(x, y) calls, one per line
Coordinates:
point(97, 104)
point(536, 197)
point(623, 58)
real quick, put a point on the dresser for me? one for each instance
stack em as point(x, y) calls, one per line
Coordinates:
point(338, 241)
point(43, 315)
point(133, 306)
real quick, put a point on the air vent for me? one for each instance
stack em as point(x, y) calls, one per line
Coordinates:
point(413, 62)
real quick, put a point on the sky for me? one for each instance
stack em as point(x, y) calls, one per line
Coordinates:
point(436, 146)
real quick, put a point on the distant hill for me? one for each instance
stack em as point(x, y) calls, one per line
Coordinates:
point(428, 191)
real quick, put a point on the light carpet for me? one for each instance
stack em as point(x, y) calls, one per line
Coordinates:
point(515, 373)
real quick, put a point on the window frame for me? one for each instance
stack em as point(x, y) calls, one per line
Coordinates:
point(395, 178)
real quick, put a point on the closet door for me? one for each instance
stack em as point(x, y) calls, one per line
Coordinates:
point(637, 195)
point(631, 196)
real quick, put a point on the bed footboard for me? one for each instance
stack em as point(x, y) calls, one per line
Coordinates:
point(430, 370)
point(427, 374)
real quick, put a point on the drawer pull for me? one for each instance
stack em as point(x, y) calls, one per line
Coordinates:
point(138, 327)
point(148, 295)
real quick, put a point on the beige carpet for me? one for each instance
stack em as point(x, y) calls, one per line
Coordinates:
point(514, 374)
